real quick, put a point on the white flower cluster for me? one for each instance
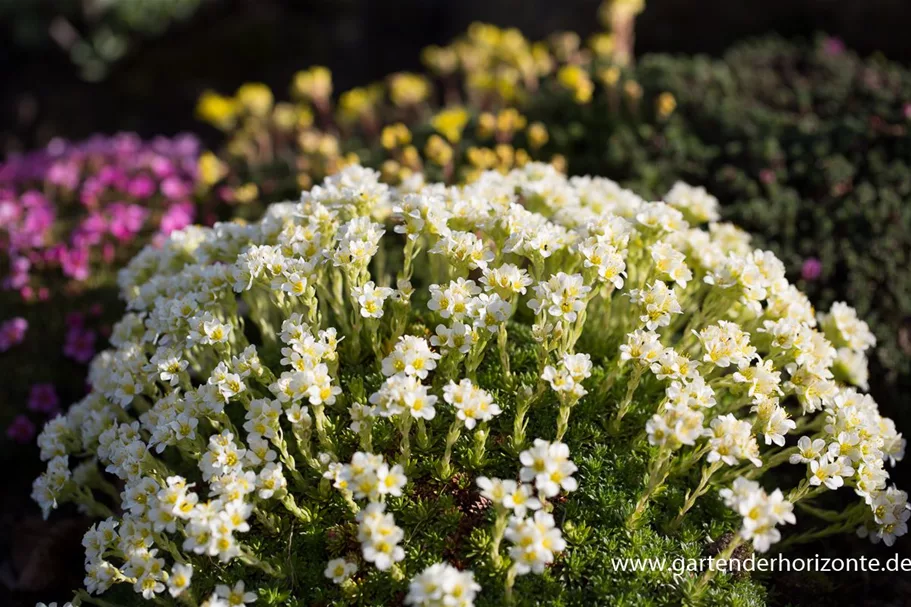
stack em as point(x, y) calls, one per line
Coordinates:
point(257, 357)
point(442, 585)
point(762, 512)
point(547, 469)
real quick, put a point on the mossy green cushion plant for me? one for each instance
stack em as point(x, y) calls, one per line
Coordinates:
point(458, 396)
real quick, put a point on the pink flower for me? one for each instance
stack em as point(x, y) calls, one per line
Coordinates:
point(141, 187)
point(126, 220)
point(43, 399)
point(834, 46)
point(12, 333)
point(75, 263)
point(811, 269)
point(22, 430)
point(177, 217)
point(80, 344)
point(174, 188)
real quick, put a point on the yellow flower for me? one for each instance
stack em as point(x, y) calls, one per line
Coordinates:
point(522, 158)
point(510, 121)
point(565, 44)
point(505, 155)
point(217, 110)
point(411, 158)
point(314, 84)
point(256, 98)
point(328, 146)
point(481, 158)
point(632, 88)
point(450, 123)
point(484, 34)
point(440, 60)
point(610, 8)
point(438, 151)
point(389, 171)
point(558, 161)
point(601, 44)
point(576, 80)
point(358, 102)
point(408, 89)
point(287, 116)
point(537, 135)
point(507, 83)
point(246, 193)
point(211, 169)
point(610, 76)
point(487, 124)
point(665, 105)
point(544, 62)
point(395, 135)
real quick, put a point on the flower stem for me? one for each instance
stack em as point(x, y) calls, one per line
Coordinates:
point(455, 431)
point(700, 490)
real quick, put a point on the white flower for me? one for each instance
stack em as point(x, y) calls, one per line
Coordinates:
point(535, 542)
point(549, 466)
point(371, 299)
point(339, 570)
point(472, 404)
point(761, 512)
point(179, 580)
point(411, 356)
point(568, 377)
point(442, 585)
point(237, 596)
point(379, 536)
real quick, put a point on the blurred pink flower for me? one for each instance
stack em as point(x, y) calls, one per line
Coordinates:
point(21, 430)
point(834, 46)
point(12, 332)
point(811, 269)
point(80, 344)
point(43, 399)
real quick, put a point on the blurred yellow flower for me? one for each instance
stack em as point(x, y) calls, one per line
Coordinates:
point(576, 80)
point(522, 158)
point(211, 169)
point(537, 135)
point(509, 121)
point(482, 158)
point(256, 98)
point(440, 60)
point(395, 135)
point(314, 84)
point(411, 157)
point(632, 89)
point(559, 162)
point(438, 151)
point(217, 110)
point(358, 102)
point(408, 89)
point(665, 105)
point(609, 8)
point(602, 44)
point(610, 76)
point(487, 124)
point(246, 193)
point(450, 123)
